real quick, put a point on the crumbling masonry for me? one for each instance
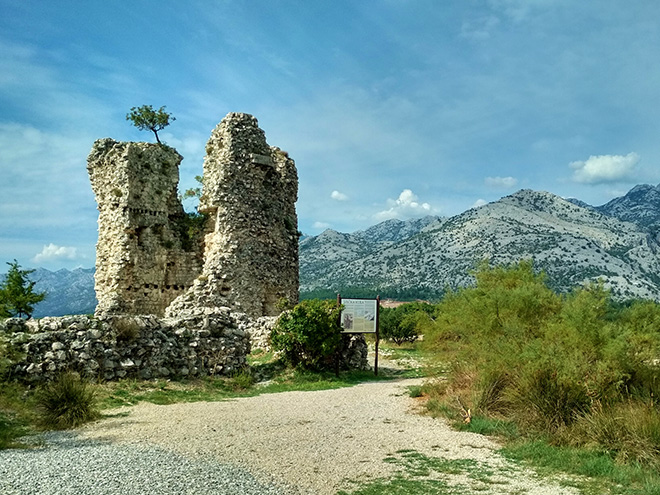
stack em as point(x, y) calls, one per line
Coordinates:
point(151, 260)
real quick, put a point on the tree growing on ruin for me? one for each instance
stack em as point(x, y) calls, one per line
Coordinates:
point(17, 295)
point(146, 118)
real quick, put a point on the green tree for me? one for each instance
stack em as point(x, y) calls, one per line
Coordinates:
point(17, 295)
point(146, 118)
point(405, 323)
point(194, 192)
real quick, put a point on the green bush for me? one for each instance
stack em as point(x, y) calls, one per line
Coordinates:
point(242, 379)
point(629, 431)
point(562, 366)
point(66, 402)
point(309, 335)
point(405, 323)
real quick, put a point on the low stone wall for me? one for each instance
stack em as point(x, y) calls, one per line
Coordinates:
point(203, 342)
point(126, 346)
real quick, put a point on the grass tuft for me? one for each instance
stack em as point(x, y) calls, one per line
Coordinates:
point(67, 402)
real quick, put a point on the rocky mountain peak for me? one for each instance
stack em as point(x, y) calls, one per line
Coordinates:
point(641, 205)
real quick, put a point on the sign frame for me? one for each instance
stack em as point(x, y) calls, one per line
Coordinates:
point(361, 311)
point(359, 315)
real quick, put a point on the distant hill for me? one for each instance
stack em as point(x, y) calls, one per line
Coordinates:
point(641, 206)
point(68, 292)
point(572, 242)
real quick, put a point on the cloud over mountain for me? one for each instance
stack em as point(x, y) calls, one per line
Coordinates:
point(407, 205)
point(52, 252)
point(605, 168)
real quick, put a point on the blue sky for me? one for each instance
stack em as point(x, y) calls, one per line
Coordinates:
point(390, 108)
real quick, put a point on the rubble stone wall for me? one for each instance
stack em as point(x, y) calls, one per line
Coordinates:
point(144, 347)
point(249, 192)
point(144, 258)
point(115, 347)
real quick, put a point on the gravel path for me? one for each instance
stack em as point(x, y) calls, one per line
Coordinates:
point(291, 442)
point(72, 466)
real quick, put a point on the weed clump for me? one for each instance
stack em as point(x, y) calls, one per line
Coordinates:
point(127, 329)
point(66, 402)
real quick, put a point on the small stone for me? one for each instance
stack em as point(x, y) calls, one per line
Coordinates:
point(33, 368)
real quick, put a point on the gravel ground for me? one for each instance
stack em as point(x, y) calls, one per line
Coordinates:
point(303, 442)
point(70, 465)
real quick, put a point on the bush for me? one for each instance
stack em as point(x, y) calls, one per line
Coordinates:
point(127, 329)
point(570, 367)
point(242, 379)
point(629, 431)
point(406, 322)
point(309, 335)
point(67, 402)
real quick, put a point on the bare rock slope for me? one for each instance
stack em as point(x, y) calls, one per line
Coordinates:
point(572, 243)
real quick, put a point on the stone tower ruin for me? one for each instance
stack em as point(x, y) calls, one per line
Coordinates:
point(245, 257)
point(143, 258)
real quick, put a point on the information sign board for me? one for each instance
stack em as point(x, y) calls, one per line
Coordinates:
point(359, 315)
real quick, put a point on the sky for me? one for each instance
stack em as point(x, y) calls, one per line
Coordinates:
point(390, 108)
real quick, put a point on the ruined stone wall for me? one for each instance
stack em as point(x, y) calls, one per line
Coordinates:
point(144, 258)
point(113, 347)
point(249, 193)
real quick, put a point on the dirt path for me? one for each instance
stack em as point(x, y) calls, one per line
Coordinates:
point(317, 441)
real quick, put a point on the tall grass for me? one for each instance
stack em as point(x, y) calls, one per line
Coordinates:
point(577, 369)
point(67, 402)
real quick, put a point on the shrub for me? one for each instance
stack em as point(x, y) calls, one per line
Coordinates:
point(406, 322)
point(127, 329)
point(67, 402)
point(629, 431)
point(578, 368)
point(309, 335)
point(242, 379)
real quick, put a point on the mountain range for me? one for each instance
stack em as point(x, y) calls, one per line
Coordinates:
point(573, 242)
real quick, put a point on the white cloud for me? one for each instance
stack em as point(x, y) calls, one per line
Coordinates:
point(605, 168)
point(321, 225)
point(405, 206)
point(501, 182)
point(339, 196)
point(54, 252)
point(479, 202)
